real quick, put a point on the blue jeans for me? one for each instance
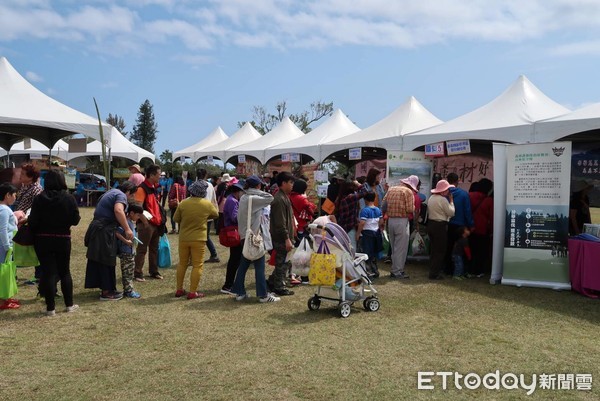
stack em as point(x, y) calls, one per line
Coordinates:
point(459, 265)
point(209, 243)
point(259, 274)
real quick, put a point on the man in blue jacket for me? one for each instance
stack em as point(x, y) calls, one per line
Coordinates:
point(462, 217)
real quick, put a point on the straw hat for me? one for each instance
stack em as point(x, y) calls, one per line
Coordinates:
point(226, 177)
point(412, 181)
point(135, 167)
point(441, 186)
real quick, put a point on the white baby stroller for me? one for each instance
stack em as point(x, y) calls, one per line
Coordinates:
point(352, 269)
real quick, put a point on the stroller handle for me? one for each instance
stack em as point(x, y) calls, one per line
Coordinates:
point(320, 227)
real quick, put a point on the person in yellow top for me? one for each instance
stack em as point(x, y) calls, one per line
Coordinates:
point(192, 215)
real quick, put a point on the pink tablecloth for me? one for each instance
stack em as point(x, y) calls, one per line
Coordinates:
point(584, 266)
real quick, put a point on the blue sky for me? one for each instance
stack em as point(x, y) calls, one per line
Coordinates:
point(204, 64)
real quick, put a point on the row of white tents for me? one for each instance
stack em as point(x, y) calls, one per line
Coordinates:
point(521, 114)
point(26, 112)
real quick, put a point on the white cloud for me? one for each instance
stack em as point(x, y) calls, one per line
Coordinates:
point(591, 47)
point(33, 77)
point(193, 59)
point(290, 24)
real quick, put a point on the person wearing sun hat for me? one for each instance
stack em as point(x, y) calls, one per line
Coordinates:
point(230, 219)
point(440, 208)
point(412, 182)
point(192, 215)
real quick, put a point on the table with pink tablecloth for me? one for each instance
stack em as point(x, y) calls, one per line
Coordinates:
point(584, 267)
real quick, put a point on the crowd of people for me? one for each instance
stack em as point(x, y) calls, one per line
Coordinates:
point(130, 219)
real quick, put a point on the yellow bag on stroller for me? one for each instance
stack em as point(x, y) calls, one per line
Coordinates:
point(322, 267)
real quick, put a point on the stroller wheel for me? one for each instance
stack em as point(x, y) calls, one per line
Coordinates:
point(314, 303)
point(345, 309)
point(371, 304)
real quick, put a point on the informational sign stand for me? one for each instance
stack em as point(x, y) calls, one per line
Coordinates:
point(355, 154)
point(241, 159)
point(536, 221)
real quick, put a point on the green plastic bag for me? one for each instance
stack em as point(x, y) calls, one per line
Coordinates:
point(386, 245)
point(8, 278)
point(25, 256)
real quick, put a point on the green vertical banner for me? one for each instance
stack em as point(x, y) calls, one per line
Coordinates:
point(537, 215)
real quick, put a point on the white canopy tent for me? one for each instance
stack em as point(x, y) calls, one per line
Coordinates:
point(580, 120)
point(285, 131)
point(27, 112)
point(215, 137)
point(387, 133)
point(60, 149)
point(335, 127)
point(244, 135)
point(508, 118)
point(121, 147)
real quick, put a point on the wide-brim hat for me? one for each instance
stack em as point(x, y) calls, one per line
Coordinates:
point(235, 187)
point(441, 186)
point(226, 177)
point(412, 181)
point(233, 181)
point(580, 185)
point(135, 167)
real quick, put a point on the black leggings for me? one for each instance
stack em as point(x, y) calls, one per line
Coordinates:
point(54, 254)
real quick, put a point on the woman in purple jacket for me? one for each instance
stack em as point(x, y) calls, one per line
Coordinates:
point(230, 218)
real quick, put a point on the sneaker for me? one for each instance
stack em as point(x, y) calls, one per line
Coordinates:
point(227, 290)
point(304, 280)
point(180, 293)
point(213, 259)
point(194, 295)
point(50, 312)
point(459, 278)
point(139, 279)
point(72, 308)
point(400, 276)
point(113, 296)
point(283, 292)
point(269, 298)
point(242, 297)
point(9, 305)
point(32, 281)
point(132, 294)
point(157, 276)
point(480, 275)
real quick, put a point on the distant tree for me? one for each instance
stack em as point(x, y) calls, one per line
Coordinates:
point(264, 121)
point(145, 129)
point(117, 122)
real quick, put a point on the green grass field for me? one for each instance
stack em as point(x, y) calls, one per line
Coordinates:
point(163, 348)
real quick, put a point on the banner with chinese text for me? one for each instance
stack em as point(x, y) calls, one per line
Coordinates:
point(469, 168)
point(537, 214)
point(586, 166)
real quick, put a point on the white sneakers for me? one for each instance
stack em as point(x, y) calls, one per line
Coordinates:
point(72, 308)
point(269, 298)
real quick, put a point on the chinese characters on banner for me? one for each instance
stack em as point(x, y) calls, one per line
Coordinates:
point(361, 169)
point(458, 147)
point(537, 213)
point(469, 168)
point(585, 165)
point(250, 167)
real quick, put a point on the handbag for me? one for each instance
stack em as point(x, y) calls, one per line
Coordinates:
point(254, 245)
point(173, 203)
point(164, 252)
point(417, 247)
point(24, 236)
point(229, 236)
point(8, 276)
point(322, 267)
point(328, 206)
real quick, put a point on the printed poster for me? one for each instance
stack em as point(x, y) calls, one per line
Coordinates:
point(402, 164)
point(537, 214)
point(469, 168)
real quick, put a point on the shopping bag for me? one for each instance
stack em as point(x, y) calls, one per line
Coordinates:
point(417, 244)
point(385, 239)
point(25, 256)
point(254, 245)
point(229, 236)
point(8, 277)
point(301, 258)
point(164, 252)
point(322, 267)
